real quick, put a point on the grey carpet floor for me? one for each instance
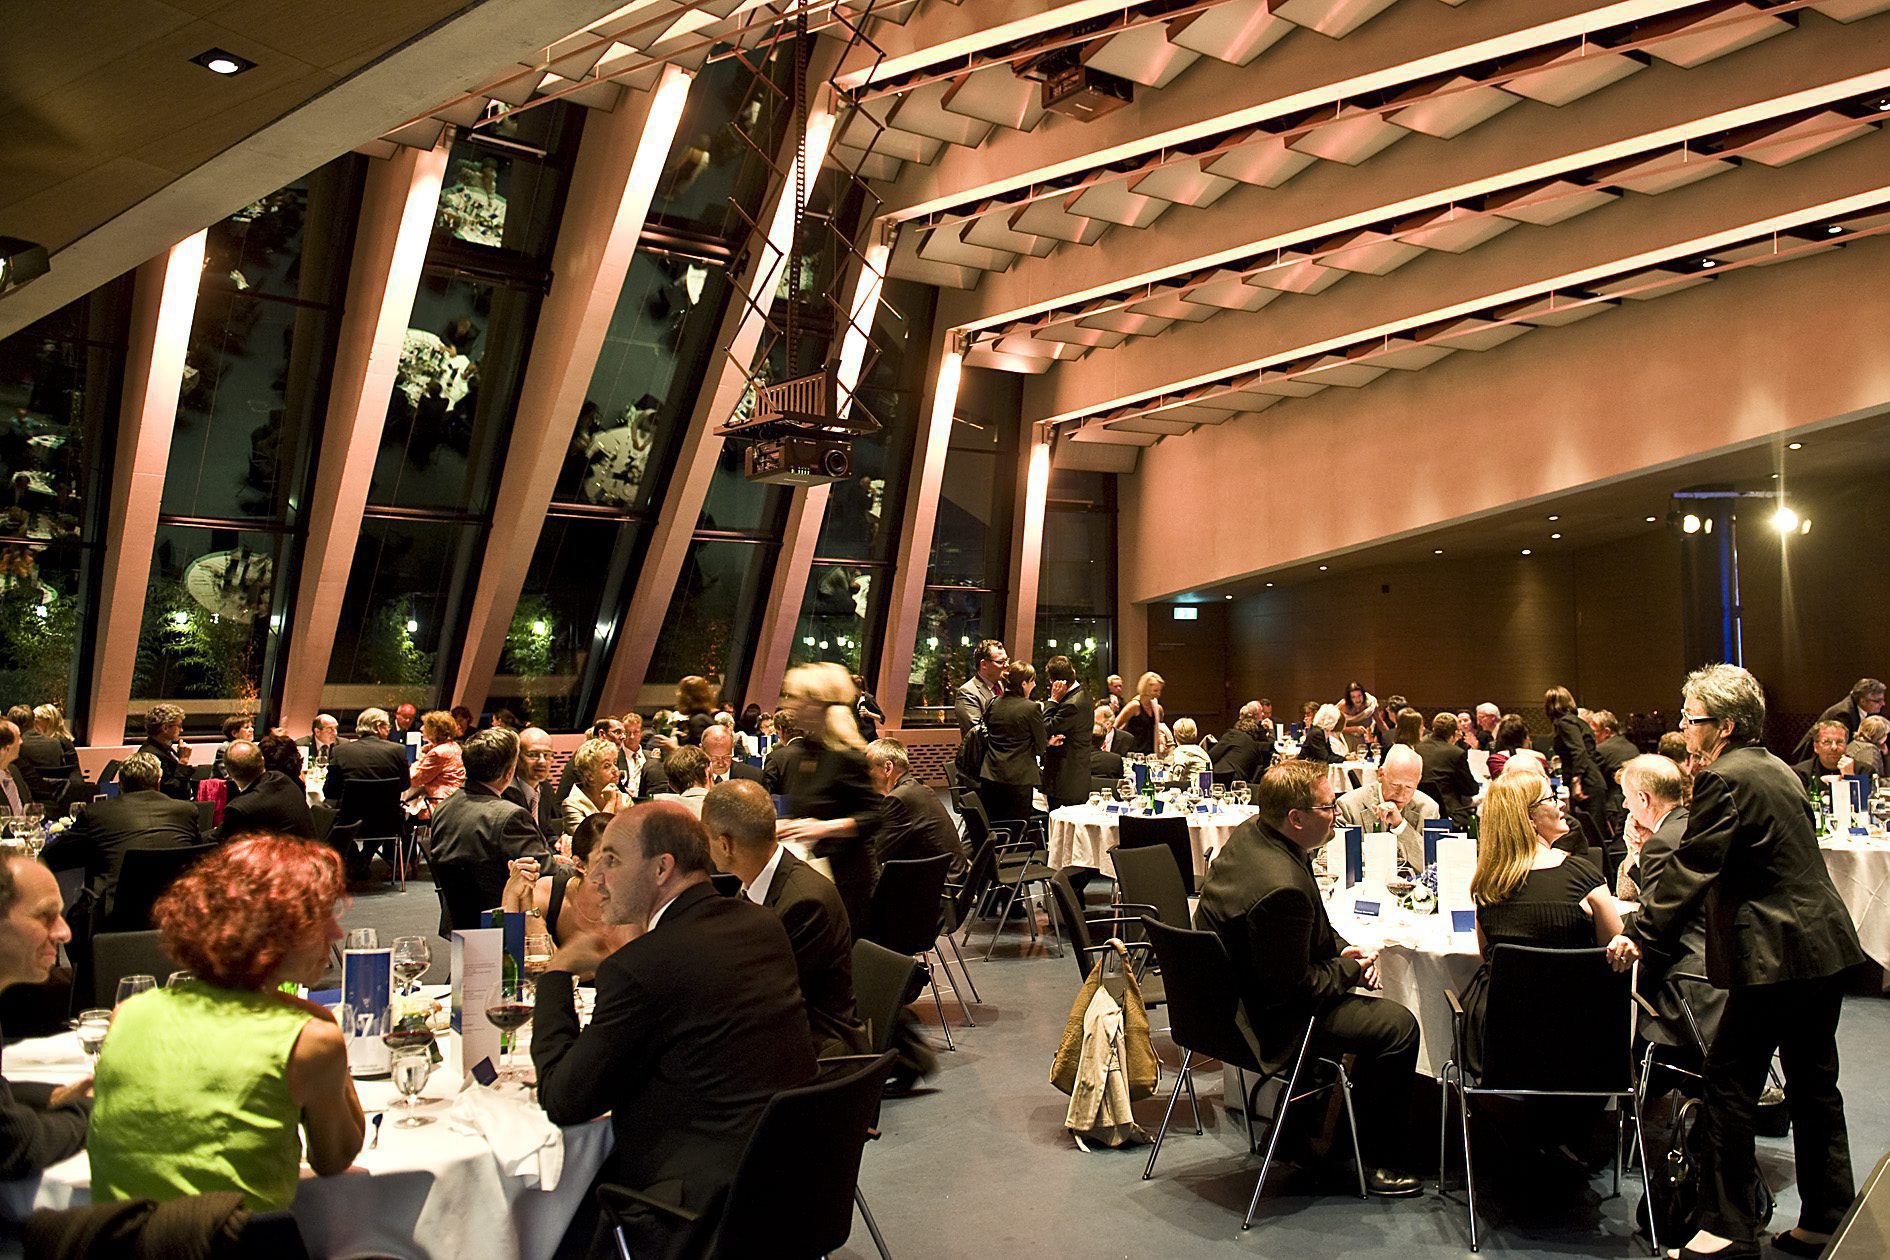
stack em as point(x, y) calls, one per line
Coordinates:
point(977, 1162)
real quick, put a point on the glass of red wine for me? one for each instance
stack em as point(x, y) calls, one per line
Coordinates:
point(509, 1008)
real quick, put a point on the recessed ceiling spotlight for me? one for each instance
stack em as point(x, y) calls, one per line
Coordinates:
point(1269, 584)
point(1229, 597)
point(1322, 568)
point(222, 61)
point(1883, 106)
point(1527, 552)
point(1652, 520)
point(1794, 446)
point(1555, 518)
point(1437, 551)
point(1690, 524)
point(1784, 520)
point(1554, 536)
point(1834, 229)
point(1707, 264)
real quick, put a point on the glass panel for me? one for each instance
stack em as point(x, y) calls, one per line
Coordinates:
point(454, 392)
point(972, 537)
point(712, 621)
point(1078, 562)
point(41, 594)
point(498, 197)
point(839, 616)
point(565, 621)
point(400, 618)
point(293, 243)
point(659, 349)
point(1089, 642)
point(950, 624)
point(254, 379)
point(713, 166)
point(734, 502)
point(206, 635)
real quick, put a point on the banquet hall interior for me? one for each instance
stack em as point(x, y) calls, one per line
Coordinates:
point(427, 426)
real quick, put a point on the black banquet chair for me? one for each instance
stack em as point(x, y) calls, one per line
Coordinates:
point(1089, 940)
point(142, 879)
point(1169, 831)
point(1559, 1023)
point(116, 955)
point(819, 1131)
point(1148, 877)
point(906, 914)
point(1204, 1018)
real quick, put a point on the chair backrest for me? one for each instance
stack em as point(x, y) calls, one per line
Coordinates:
point(881, 978)
point(1172, 832)
point(110, 773)
point(1148, 876)
point(142, 879)
point(1070, 915)
point(1557, 1020)
point(1203, 995)
point(206, 816)
point(979, 873)
point(116, 955)
point(905, 910)
point(322, 818)
point(375, 804)
point(461, 898)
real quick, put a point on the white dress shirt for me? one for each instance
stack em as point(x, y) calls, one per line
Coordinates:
point(757, 891)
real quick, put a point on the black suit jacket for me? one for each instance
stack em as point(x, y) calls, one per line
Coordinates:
point(1320, 746)
point(176, 782)
point(1750, 857)
point(1575, 745)
point(1261, 900)
point(1014, 738)
point(914, 826)
point(274, 804)
point(1104, 764)
point(51, 766)
point(98, 840)
point(1612, 753)
point(698, 1024)
point(1689, 956)
point(1845, 711)
point(1447, 778)
point(834, 783)
point(364, 758)
point(34, 1135)
point(550, 815)
point(817, 928)
point(1066, 765)
point(1238, 755)
point(774, 769)
point(739, 770)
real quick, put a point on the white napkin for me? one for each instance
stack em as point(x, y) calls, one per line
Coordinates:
point(523, 1139)
point(58, 1051)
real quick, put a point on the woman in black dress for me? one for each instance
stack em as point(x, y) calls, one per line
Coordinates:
point(1139, 723)
point(831, 799)
point(1581, 770)
point(1014, 739)
point(1528, 892)
point(1323, 741)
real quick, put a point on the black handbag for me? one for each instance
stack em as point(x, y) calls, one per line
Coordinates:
point(1674, 1185)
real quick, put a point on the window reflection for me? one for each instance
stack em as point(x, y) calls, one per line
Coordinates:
point(207, 621)
point(710, 629)
point(950, 624)
point(473, 207)
point(405, 589)
point(837, 615)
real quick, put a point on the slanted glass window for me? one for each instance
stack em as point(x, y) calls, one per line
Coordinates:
point(1076, 598)
point(398, 640)
point(210, 616)
point(840, 615)
point(714, 617)
point(504, 184)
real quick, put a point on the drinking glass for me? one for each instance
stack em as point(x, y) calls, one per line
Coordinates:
point(92, 1026)
point(1239, 789)
point(410, 1070)
point(509, 1008)
point(1219, 792)
point(131, 986)
point(412, 957)
point(178, 979)
point(1125, 788)
point(363, 938)
point(538, 949)
point(1096, 800)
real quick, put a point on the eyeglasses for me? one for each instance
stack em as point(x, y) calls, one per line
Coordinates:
point(1330, 807)
point(1696, 719)
point(1547, 800)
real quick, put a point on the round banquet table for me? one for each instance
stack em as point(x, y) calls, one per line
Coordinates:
point(1081, 836)
point(433, 1193)
point(1860, 867)
point(1419, 960)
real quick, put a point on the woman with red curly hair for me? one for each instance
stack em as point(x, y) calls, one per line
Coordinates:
point(203, 1087)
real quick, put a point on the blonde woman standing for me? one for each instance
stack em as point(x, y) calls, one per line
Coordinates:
point(1141, 718)
point(831, 800)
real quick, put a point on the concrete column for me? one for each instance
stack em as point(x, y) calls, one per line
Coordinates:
point(618, 164)
point(164, 301)
point(1020, 622)
point(397, 211)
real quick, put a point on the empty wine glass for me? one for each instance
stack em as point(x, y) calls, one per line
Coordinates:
point(410, 1069)
point(178, 979)
point(538, 949)
point(363, 938)
point(132, 986)
point(92, 1026)
point(1239, 790)
point(1218, 791)
point(1125, 788)
point(412, 957)
point(509, 1008)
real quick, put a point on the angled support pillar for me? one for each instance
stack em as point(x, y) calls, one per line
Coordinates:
point(808, 511)
point(164, 301)
point(1020, 621)
point(699, 449)
point(397, 210)
point(618, 164)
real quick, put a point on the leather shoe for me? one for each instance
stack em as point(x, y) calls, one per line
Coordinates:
point(1388, 1183)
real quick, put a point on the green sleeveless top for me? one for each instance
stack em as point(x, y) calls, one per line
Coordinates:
point(192, 1095)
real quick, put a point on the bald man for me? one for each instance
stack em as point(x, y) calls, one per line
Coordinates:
point(1393, 804)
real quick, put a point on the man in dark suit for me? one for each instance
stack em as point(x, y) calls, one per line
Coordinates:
point(914, 825)
point(39, 1125)
point(476, 831)
point(1866, 698)
point(1655, 788)
point(1613, 750)
point(16, 792)
point(975, 694)
point(1246, 751)
point(1778, 940)
point(1447, 777)
point(369, 755)
point(142, 817)
point(164, 741)
point(740, 821)
point(262, 801)
point(531, 788)
point(1261, 900)
point(323, 735)
point(1828, 742)
point(1069, 722)
point(786, 753)
point(718, 744)
point(699, 1020)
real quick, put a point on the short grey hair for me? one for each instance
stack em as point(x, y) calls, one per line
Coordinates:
point(1487, 708)
point(888, 752)
point(140, 772)
point(1655, 775)
point(367, 721)
point(1728, 692)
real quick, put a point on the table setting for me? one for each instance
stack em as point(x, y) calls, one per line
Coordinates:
point(1083, 835)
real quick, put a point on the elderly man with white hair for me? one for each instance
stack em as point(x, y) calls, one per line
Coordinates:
point(1487, 718)
point(1393, 804)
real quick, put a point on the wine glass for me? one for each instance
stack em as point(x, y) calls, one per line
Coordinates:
point(1125, 788)
point(132, 986)
point(363, 938)
point(538, 949)
point(412, 957)
point(410, 1069)
point(178, 979)
point(509, 1008)
point(92, 1026)
point(1238, 789)
point(1218, 792)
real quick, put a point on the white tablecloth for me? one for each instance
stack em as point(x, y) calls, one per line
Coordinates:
point(1860, 868)
point(1081, 836)
point(1419, 960)
point(431, 1193)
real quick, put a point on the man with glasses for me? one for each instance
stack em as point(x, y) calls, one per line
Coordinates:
point(1393, 804)
point(1261, 900)
point(1866, 698)
point(530, 786)
point(1778, 940)
point(1828, 742)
